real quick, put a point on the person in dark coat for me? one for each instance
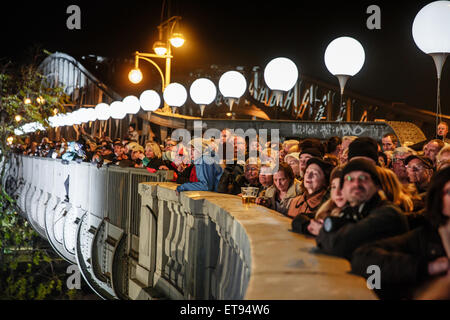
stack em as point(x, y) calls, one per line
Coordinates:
point(368, 217)
point(407, 260)
point(250, 177)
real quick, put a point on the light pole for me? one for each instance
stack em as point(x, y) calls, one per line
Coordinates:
point(163, 50)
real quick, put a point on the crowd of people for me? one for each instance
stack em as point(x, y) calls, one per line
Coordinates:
point(381, 204)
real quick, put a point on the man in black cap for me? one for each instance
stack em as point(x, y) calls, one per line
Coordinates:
point(366, 218)
point(364, 147)
point(420, 171)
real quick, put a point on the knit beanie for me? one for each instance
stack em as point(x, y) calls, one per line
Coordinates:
point(312, 151)
point(363, 147)
point(325, 166)
point(361, 165)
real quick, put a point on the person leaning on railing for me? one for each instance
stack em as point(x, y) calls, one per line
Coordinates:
point(315, 182)
point(285, 187)
point(332, 207)
point(151, 158)
point(207, 171)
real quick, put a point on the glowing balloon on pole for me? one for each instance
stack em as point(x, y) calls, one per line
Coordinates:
point(150, 100)
point(232, 86)
point(203, 92)
point(175, 95)
point(280, 74)
point(431, 33)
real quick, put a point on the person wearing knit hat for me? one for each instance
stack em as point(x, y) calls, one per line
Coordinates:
point(364, 147)
point(367, 217)
point(307, 154)
point(316, 181)
point(293, 160)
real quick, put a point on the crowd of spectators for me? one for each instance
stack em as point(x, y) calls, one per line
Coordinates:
point(382, 204)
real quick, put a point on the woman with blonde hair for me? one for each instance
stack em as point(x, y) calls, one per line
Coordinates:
point(151, 159)
point(394, 190)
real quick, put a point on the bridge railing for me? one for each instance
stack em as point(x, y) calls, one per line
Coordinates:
point(133, 237)
point(205, 245)
point(89, 215)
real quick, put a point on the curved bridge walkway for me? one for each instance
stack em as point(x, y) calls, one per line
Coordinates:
point(132, 237)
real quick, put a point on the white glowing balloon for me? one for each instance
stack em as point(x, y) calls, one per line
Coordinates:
point(281, 74)
point(175, 95)
point(118, 110)
point(431, 28)
point(150, 100)
point(344, 56)
point(103, 111)
point(203, 91)
point(132, 104)
point(90, 114)
point(232, 84)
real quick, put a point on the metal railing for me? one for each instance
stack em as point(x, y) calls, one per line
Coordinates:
point(89, 215)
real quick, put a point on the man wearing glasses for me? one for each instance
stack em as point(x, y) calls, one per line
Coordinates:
point(398, 163)
point(420, 171)
point(366, 218)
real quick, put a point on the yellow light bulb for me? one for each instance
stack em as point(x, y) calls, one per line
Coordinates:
point(27, 101)
point(18, 117)
point(10, 140)
point(135, 76)
point(55, 112)
point(160, 48)
point(177, 40)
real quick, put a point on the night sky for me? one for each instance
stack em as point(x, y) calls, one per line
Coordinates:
point(242, 33)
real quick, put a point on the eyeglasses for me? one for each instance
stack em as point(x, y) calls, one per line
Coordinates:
point(415, 168)
point(398, 160)
point(360, 178)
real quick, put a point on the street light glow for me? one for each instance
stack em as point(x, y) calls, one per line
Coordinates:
point(160, 48)
point(135, 76)
point(177, 40)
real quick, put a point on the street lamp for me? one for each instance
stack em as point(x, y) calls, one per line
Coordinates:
point(175, 95)
point(431, 33)
point(163, 50)
point(232, 85)
point(344, 57)
point(203, 92)
point(280, 75)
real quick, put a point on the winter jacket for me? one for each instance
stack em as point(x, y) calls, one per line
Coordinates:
point(378, 219)
point(230, 173)
point(208, 176)
point(402, 259)
point(308, 204)
point(241, 181)
point(283, 206)
point(153, 163)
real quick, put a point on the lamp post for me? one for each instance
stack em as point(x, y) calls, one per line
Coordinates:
point(163, 50)
point(431, 33)
point(344, 57)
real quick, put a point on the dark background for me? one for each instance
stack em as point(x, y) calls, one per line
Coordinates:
point(241, 33)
